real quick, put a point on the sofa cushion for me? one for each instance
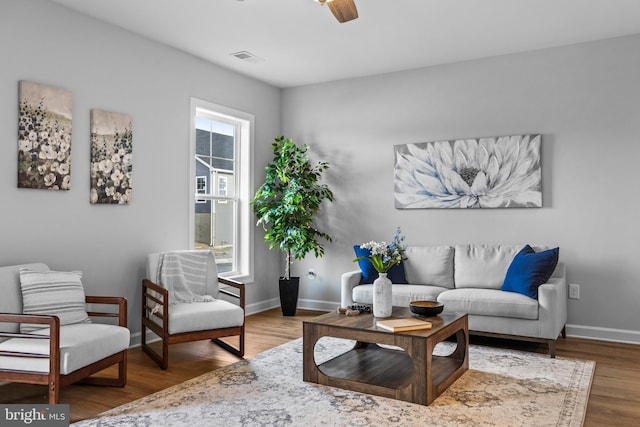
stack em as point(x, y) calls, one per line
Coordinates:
point(402, 295)
point(529, 270)
point(202, 316)
point(369, 274)
point(429, 265)
point(489, 302)
point(80, 345)
point(482, 266)
point(11, 301)
point(55, 293)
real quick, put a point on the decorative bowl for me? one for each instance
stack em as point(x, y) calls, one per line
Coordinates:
point(426, 308)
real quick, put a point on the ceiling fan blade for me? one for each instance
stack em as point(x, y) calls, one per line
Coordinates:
point(343, 10)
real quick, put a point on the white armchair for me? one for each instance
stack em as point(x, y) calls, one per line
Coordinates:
point(176, 322)
point(56, 350)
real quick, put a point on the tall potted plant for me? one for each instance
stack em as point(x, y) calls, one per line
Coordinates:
point(285, 205)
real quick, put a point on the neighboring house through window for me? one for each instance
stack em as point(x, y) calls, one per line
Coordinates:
point(221, 176)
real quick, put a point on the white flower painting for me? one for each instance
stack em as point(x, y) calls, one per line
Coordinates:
point(498, 172)
point(111, 157)
point(44, 137)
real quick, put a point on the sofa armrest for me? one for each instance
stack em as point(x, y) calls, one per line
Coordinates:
point(349, 281)
point(552, 298)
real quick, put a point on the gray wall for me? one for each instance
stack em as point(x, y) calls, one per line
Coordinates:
point(108, 68)
point(584, 99)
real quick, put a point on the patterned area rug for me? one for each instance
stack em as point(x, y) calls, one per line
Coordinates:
point(501, 388)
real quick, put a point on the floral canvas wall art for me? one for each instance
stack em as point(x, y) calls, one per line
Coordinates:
point(44, 136)
point(111, 157)
point(498, 172)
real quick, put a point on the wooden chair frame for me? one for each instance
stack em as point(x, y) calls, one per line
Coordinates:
point(53, 378)
point(154, 294)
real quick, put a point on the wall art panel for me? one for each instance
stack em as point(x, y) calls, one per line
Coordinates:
point(498, 172)
point(111, 157)
point(44, 136)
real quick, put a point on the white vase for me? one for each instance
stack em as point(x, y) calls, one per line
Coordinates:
point(382, 296)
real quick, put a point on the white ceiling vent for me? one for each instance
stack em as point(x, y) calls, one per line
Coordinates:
point(247, 56)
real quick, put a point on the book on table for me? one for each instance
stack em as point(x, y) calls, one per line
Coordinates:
point(402, 325)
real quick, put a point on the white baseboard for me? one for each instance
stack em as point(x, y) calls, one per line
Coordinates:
point(262, 306)
point(305, 304)
point(135, 339)
point(311, 304)
point(604, 334)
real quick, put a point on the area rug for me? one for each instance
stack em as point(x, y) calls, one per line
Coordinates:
point(501, 388)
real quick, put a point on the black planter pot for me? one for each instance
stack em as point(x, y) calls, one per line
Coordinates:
point(289, 295)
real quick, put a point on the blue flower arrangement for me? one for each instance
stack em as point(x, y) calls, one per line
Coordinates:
point(385, 255)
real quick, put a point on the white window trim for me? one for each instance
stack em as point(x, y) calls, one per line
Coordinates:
point(244, 164)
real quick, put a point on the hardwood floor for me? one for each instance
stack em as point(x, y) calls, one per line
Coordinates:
point(614, 398)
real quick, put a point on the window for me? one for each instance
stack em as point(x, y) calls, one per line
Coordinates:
point(221, 174)
point(222, 187)
point(201, 187)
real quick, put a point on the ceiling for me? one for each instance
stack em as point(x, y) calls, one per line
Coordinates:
point(299, 42)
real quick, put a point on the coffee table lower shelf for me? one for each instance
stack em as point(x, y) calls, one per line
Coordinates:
point(382, 367)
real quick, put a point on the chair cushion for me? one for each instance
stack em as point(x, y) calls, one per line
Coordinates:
point(429, 265)
point(202, 316)
point(529, 270)
point(80, 345)
point(369, 274)
point(402, 295)
point(489, 302)
point(56, 293)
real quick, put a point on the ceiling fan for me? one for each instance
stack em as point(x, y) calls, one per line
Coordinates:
point(343, 10)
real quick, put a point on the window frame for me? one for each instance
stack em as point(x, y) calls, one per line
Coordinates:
point(243, 182)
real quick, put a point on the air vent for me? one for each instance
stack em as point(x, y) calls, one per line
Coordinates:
point(247, 57)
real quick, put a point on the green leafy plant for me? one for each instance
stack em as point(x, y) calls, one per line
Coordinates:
point(289, 198)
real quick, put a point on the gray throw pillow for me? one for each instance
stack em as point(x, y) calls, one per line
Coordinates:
point(55, 293)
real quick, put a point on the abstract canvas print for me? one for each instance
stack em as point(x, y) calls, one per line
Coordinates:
point(111, 157)
point(498, 172)
point(44, 136)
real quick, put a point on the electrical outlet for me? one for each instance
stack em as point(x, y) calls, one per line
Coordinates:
point(574, 291)
point(311, 274)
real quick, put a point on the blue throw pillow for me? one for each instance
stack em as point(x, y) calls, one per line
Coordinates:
point(369, 274)
point(530, 269)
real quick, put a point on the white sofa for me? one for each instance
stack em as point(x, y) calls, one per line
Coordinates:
point(468, 278)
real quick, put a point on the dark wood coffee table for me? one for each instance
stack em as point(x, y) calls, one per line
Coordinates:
point(413, 375)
